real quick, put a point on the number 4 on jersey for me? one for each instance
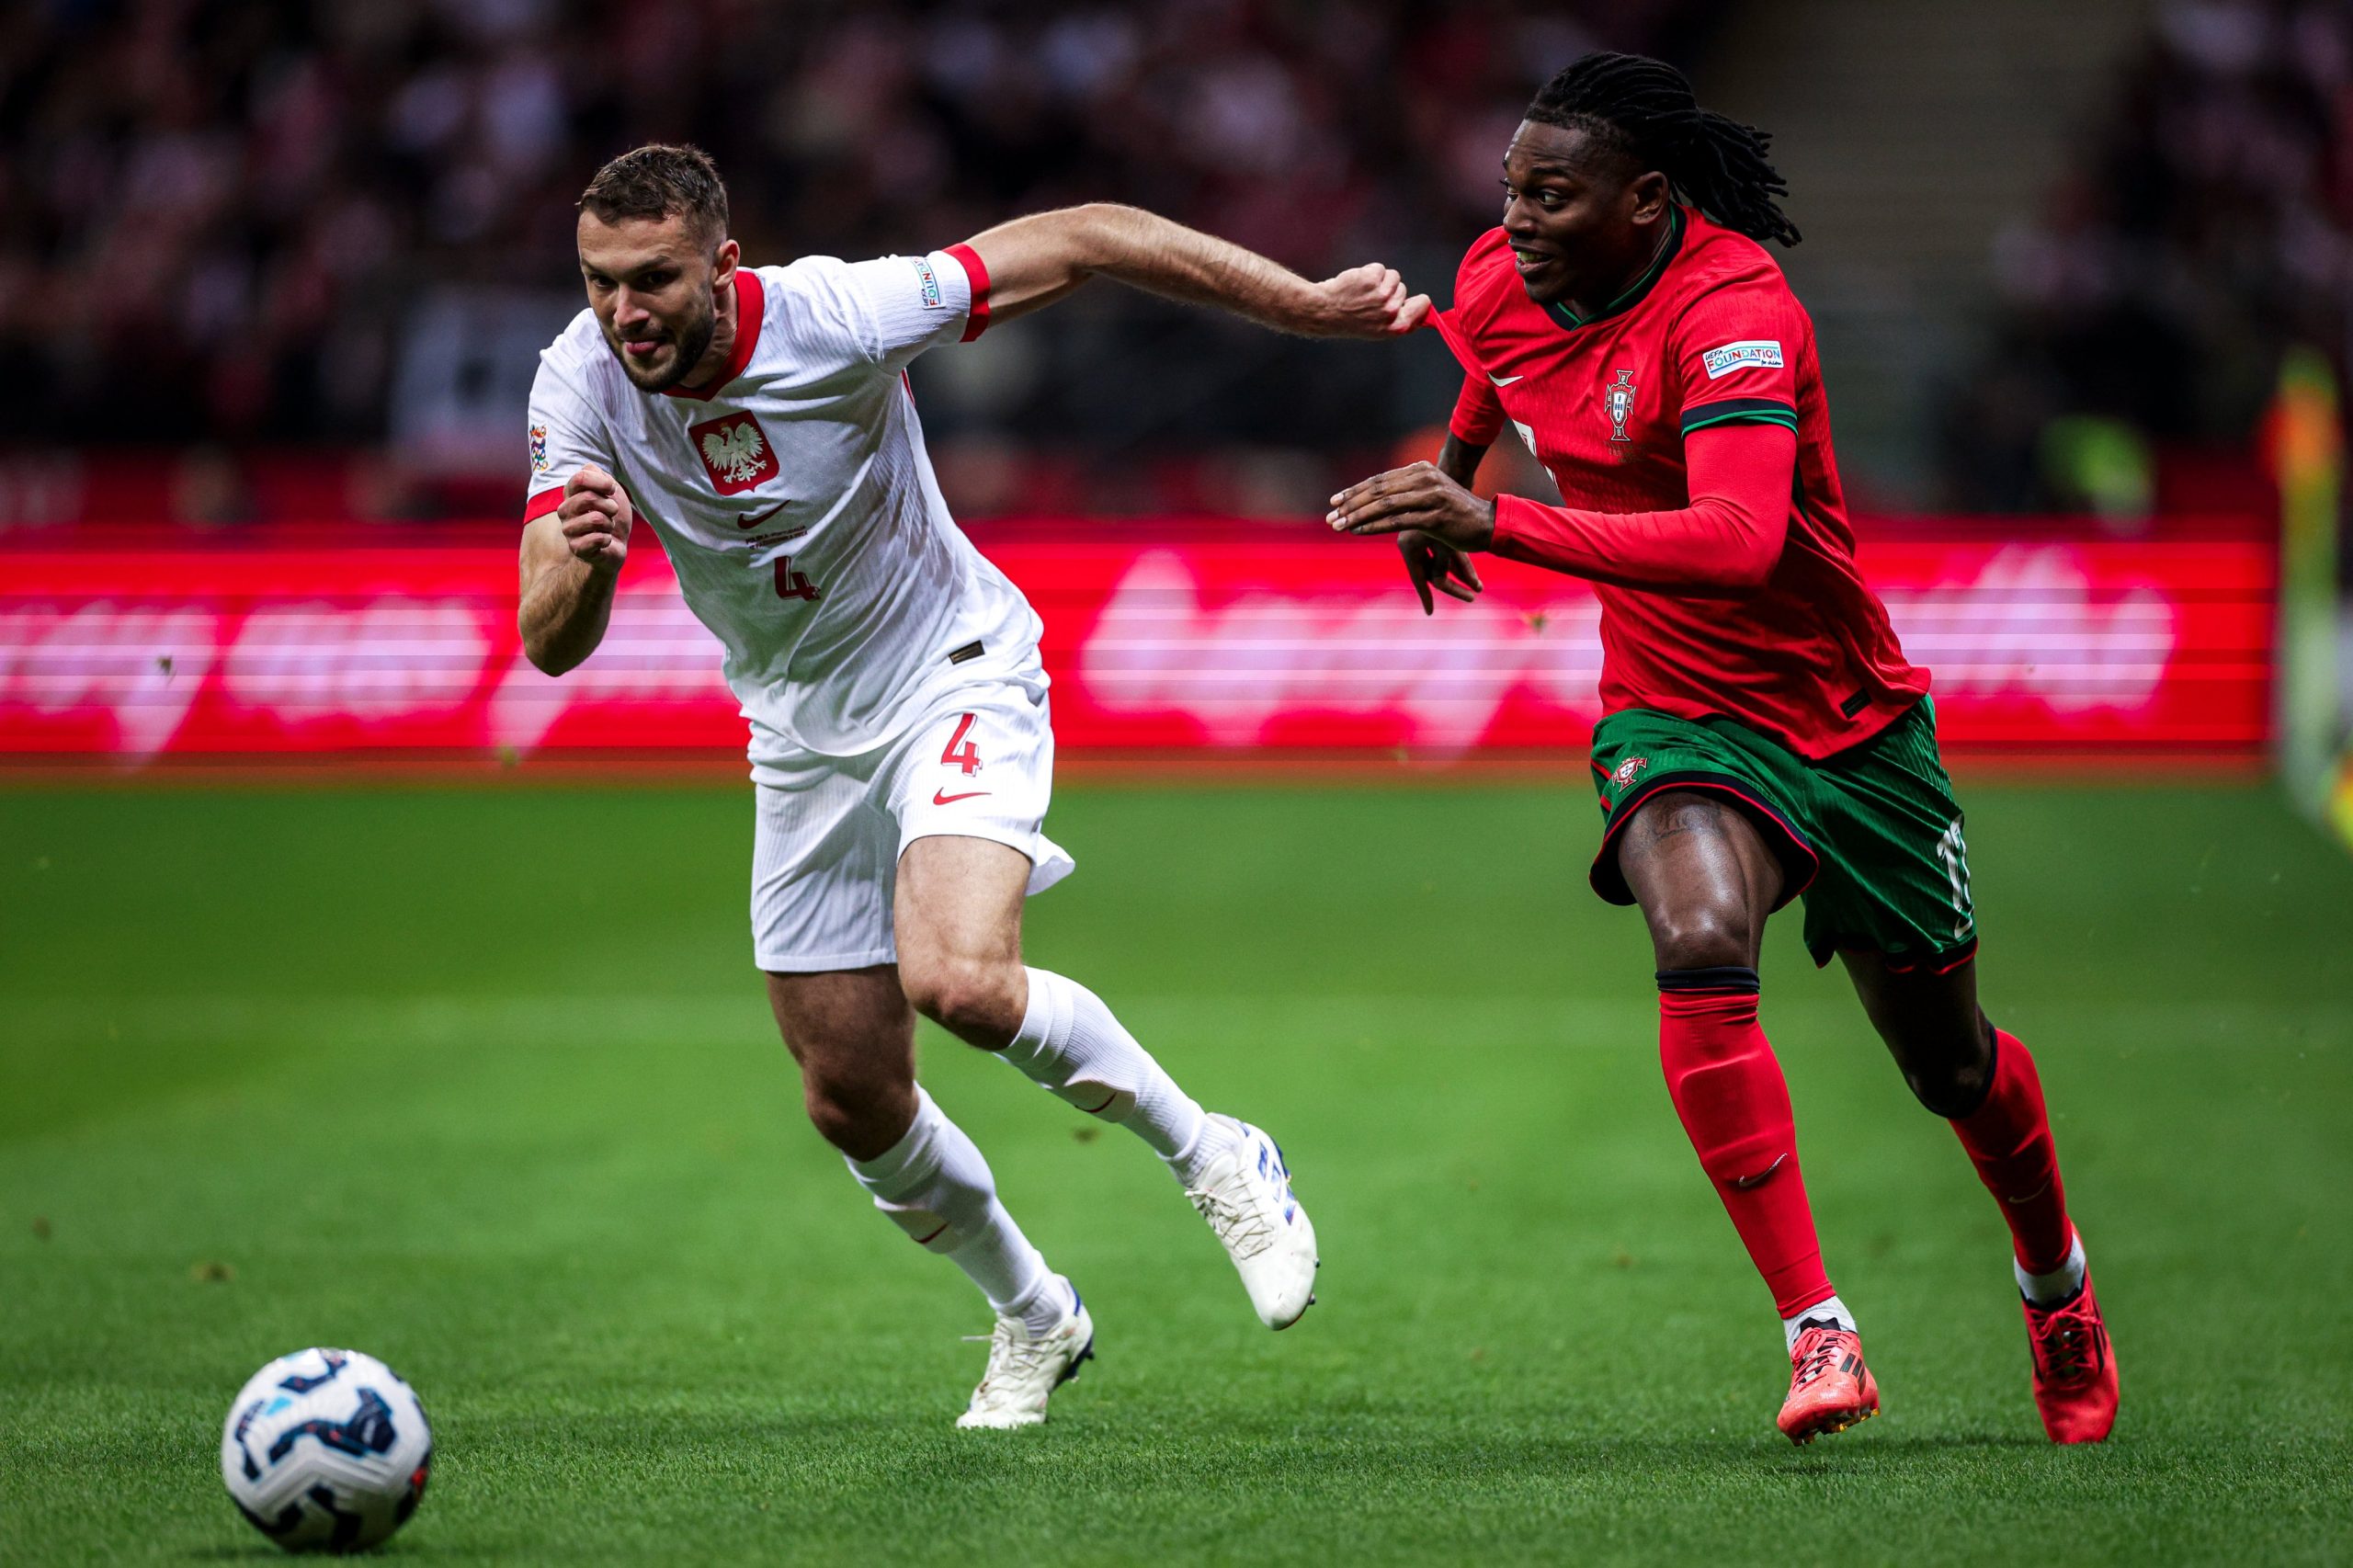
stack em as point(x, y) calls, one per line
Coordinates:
point(969, 757)
point(792, 584)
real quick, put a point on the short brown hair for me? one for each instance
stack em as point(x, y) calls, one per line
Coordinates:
point(658, 181)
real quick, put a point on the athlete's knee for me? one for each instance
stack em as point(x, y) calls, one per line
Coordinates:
point(1703, 935)
point(978, 1000)
point(860, 1114)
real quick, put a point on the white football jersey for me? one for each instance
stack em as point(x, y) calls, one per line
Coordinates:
point(796, 501)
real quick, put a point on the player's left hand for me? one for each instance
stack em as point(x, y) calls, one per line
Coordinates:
point(1417, 497)
point(1434, 563)
point(1369, 302)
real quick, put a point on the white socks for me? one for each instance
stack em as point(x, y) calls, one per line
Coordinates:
point(934, 1185)
point(1071, 1045)
point(1833, 1310)
point(2050, 1289)
point(2042, 1290)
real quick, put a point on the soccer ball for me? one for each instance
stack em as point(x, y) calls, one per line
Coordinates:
point(325, 1450)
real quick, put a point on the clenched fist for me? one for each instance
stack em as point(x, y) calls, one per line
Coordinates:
point(1369, 302)
point(596, 515)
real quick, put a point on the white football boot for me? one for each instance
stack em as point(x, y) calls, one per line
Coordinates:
point(1023, 1371)
point(1246, 1195)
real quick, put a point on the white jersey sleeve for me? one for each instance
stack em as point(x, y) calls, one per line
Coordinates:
point(900, 305)
point(566, 434)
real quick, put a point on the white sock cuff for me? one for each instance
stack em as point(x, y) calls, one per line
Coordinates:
point(909, 1162)
point(1046, 1022)
point(1829, 1306)
point(2043, 1289)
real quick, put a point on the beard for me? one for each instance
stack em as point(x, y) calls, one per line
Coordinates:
point(688, 342)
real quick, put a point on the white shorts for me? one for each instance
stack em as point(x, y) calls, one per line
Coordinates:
point(831, 829)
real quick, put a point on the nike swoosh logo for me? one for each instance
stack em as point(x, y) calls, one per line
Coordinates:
point(757, 518)
point(1504, 380)
point(1744, 1183)
point(942, 798)
point(2030, 1198)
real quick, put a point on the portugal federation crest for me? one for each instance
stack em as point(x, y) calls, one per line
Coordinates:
point(1628, 770)
point(1618, 399)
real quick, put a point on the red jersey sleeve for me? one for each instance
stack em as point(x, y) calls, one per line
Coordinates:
point(1478, 413)
point(1727, 541)
point(1735, 351)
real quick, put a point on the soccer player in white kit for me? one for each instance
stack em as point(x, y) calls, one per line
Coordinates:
point(901, 751)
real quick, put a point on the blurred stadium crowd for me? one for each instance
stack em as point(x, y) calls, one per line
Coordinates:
point(213, 213)
point(2207, 225)
point(219, 217)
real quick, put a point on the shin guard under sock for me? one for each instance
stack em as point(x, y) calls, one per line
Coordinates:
point(2008, 1140)
point(1734, 1105)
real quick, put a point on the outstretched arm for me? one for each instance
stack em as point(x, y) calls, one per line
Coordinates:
point(1726, 541)
point(1036, 260)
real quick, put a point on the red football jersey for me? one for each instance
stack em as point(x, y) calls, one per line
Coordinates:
point(1709, 336)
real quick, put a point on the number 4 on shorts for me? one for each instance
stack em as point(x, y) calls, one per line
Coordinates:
point(968, 758)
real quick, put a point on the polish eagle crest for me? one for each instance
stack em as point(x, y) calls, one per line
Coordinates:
point(735, 451)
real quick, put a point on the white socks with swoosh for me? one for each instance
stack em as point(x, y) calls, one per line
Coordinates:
point(1071, 1045)
point(934, 1185)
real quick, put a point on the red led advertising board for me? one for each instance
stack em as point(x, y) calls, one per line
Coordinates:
point(1218, 639)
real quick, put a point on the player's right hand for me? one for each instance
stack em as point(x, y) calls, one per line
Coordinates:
point(596, 515)
point(1434, 563)
point(1369, 301)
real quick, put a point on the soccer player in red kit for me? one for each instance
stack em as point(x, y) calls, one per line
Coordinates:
point(1763, 739)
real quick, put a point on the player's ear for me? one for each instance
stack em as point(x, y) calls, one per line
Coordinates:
point(1648, 194)
point(723, 260)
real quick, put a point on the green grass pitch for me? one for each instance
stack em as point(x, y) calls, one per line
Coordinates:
point(482, 1082)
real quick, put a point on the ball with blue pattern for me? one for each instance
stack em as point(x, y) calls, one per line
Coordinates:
point(327, 1450)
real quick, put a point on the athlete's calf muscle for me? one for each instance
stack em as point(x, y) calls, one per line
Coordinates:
point(1932, 1025)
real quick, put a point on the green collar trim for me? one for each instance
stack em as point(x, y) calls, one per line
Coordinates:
point(1641, 286)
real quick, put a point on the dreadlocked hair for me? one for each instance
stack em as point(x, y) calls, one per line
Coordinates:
point(1644, 108)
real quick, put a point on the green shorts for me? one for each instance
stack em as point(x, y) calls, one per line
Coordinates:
point(1870, 837)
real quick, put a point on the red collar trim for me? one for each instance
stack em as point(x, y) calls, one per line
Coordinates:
point(751, 304)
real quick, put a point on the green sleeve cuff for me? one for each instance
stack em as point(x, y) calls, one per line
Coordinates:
point(1739, 410)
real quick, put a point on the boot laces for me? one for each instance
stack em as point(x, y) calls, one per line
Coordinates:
point(1815, 1358)
point(1243, 1225)
point(2067, 1343)
point(1014, 1357)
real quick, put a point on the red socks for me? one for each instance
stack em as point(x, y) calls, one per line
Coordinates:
point(2008, 1137)
point(1735, 1104)
point(1729, 1091)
